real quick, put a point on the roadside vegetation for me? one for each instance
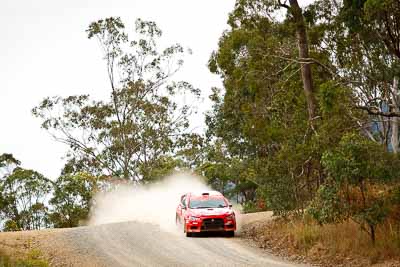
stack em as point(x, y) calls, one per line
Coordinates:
point(307, 122)
point(306, 125)
point(32, 259)
point(341, 244)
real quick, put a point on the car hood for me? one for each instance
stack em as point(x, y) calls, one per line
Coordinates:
point(209, 212)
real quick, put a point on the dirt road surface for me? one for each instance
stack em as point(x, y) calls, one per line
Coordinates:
point(140, 244)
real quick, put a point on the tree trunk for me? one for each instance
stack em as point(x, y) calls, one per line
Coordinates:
point(302, 42)
point(395, 120)
point(372, 233)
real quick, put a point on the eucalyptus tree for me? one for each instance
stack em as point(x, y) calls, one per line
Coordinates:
point(383, 17)
point(23, 196)
point(362, 38)
point(263, 116)
point(72, 199)
point(261, 128)
point(137, 131)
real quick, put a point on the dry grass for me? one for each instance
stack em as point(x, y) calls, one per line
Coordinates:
point(32, 259)
point(4, 259)
point(19, 252)
point(342, 244)
point(345, 241)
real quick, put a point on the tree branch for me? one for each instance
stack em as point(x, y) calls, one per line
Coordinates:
point(283, 4)
point(377, 112)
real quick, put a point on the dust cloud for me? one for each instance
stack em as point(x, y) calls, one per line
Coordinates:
point(155, 203)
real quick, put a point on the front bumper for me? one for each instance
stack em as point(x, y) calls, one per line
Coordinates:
point(210, 224)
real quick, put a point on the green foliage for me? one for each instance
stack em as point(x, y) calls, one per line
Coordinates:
point(333, 98)
point(327, 207)
point(260, 121)
point(8, 159)
point(359, 172)
point(336, 166)
point(23, 197)
point(30, 201)
point(11, 225)
point(383, 18)
point(358, 159)
point(224, 171)
point(72, 198)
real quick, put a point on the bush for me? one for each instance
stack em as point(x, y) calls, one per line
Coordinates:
point(361, 176)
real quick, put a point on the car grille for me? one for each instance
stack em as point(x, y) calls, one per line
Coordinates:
point(212, 224)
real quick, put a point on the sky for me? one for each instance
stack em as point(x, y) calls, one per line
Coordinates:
point(44, 51)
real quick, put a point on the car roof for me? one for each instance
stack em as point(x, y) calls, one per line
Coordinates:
point(204, 193)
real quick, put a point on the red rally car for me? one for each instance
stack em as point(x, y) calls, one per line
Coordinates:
point(205, 212)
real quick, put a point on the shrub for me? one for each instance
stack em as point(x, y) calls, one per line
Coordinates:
point(361, 174)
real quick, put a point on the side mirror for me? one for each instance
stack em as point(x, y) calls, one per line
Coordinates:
point(183, 207)
point(230, 205)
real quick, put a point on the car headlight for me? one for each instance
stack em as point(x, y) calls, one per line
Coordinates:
point(230, 217)
point(194, 219)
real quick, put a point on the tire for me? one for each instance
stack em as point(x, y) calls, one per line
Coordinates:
point(189, 234)
point(230, 233)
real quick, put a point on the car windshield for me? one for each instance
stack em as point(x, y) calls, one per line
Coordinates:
point(200, 203)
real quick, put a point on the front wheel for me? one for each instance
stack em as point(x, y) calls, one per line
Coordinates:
point(230, 233)
point(189, 234)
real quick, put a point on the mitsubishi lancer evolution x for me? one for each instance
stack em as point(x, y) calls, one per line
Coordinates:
point(206, 211)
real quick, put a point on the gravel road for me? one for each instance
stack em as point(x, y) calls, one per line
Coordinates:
point(142, 244)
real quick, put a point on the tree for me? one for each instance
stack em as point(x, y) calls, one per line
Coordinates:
point(72, 199)
point(7, 163)
point(262, 116)
point(142, 125)
point(23, 201)
point(362, 37)
point(304, 56)
point(228, 174)
point(384, 18)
